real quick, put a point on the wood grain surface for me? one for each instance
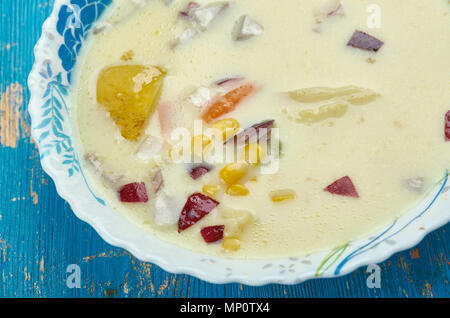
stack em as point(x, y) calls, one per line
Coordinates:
point(40, 236)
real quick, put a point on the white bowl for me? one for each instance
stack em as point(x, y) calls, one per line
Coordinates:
point(63, 35)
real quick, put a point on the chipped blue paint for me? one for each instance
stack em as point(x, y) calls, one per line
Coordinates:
point(38, 241)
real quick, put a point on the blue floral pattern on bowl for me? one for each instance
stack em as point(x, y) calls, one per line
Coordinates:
point(64, 34)
point(74, 22)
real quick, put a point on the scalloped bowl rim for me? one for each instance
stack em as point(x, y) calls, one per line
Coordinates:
point(246, 271)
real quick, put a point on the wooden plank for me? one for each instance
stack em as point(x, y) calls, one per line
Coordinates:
point(40, 236)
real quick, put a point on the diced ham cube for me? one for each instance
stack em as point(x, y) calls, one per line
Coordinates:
point(343, 186)
point(212, 234)
point(133, 193)
point(247, 28)
point(197, 207)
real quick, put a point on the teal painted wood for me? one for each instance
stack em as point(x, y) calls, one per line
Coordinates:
point(40, 236)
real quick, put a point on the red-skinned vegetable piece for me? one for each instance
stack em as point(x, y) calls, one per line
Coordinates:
point(261, 130)
point(212, 234)
point(133, 193)
point(447, 126)
point(365, 41)
point(343, 186)
point(199, 171)
point(197, 207)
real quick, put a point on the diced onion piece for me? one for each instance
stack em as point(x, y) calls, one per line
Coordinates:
point(415, 184)
point(157, 181)
point(149, 148)
point(167, 210)
point(204, 16)
point(185, 36)
point(95, 162)
point(247, 28)
point(109, 176)
point(102, 27)
point(204, 96)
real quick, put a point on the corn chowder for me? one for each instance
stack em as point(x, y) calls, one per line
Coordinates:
point(262, 129)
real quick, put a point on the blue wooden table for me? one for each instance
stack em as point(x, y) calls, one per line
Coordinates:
point(40, 237)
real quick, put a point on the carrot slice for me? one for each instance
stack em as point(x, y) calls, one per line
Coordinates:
point(227, 103)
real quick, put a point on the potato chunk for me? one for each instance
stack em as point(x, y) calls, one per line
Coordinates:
point(130, 93)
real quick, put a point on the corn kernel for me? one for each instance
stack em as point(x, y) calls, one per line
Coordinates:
point(231, 244)
point(253, 154)
point(237, 190)
point(228, 127)
point(201, 142)
point(175, 153)
point(233, 172)
point(211, 189)
point(282, 195)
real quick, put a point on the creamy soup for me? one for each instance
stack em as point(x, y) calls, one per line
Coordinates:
point(335, 114)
